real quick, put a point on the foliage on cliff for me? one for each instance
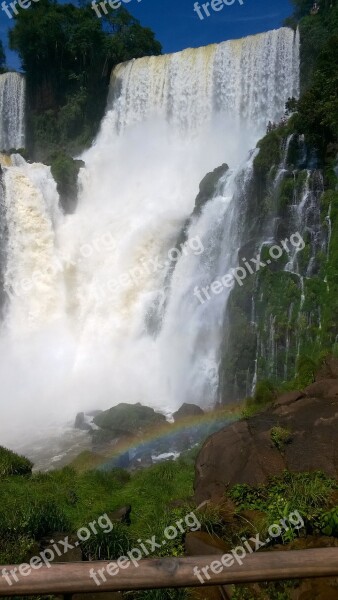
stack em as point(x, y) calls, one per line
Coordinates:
point(13, 464)
point(315, 30)
point(68, 53)
point(283, 321)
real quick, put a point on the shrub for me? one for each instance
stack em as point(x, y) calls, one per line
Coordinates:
point(107, 545)
point(280, 437)
point(269, 153)
point(265, 393)
point(65, 171)
point(44, 517)
point(328, 522)
point(13, 464)
point(15, 549)
point(308, 493)
point(306, 370)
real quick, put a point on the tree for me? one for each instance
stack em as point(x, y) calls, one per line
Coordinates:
point(318, 107)
point(68, 54)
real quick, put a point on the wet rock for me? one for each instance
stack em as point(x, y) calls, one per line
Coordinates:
point(244, 453)
point(289, 398)
point(234, 455)
point(128, 419)
point(208, 187)
point(81, 423)
point(188, 410)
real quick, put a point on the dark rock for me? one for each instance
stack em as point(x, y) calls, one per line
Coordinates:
point(199, 543)
point(324, 388)
point(72, 555)
point(128, 419)
point(243, 452)
point(188, 410)
point(289, 398)
point(235, 455)
point(121, 515)
point(80, 422)
point(329, 369)
point(208, 187)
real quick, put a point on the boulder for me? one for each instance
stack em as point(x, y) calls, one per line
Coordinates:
point(81, 423)
point(237, 454)
point(121, 515)
point(208, 187)
point(244, 452)
point(73, 554)
point(188, 410)
point(329, 369)
point(128, 419)
point(289, 398)
point(324, 388)
point(200, 543)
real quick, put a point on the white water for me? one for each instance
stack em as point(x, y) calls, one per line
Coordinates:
point(90, 322)
point(12, 111)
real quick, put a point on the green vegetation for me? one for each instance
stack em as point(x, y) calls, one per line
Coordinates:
point(63, 501)
point(328, 522)
point(65, 171)
point(270, 153)
point(68, 54)
point(13, 464)
point(264, 395)
point(313, 495)
point(295, 320)
point(306, 369)
point(317, 116)
point(310, 494)
point(280, 437)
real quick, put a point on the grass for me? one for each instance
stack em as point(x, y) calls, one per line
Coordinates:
point(13, 464)
point(64, 501)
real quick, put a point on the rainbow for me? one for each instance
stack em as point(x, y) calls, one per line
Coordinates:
point(166, 437)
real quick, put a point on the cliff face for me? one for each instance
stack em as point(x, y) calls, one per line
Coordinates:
point(281, 318)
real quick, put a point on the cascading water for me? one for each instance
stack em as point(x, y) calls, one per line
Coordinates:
point(12, 111)
point(80, 331)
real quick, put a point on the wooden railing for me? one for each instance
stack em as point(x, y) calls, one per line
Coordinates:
point(71, 578)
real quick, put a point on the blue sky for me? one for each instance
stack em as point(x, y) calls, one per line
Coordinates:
point(177, 26)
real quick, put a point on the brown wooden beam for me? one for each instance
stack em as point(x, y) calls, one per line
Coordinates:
point(71, 578)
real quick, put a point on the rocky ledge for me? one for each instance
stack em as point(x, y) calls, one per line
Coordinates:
point(299, 432)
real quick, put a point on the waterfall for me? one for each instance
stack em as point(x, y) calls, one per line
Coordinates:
point(106, 310)
point(12, 111)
